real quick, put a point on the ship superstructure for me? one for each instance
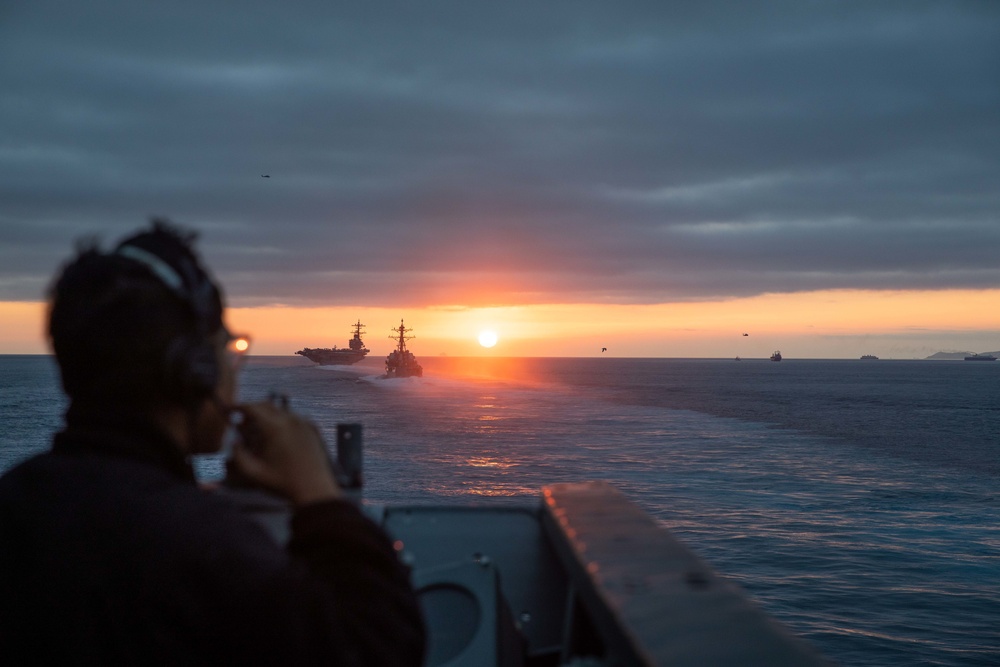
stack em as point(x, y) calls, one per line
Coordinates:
point(352, 354)
point(401, 363)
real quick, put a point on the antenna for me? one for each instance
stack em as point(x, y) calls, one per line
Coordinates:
point(400, 336)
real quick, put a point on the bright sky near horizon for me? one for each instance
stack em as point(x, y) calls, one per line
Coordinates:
point(656, 178)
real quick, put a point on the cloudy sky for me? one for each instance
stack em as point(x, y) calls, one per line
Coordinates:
point(496, 154)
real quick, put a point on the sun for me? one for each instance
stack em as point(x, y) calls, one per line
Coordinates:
point(487, 338)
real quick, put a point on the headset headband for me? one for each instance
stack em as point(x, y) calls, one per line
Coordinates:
point(163, 271)
point(197, 291)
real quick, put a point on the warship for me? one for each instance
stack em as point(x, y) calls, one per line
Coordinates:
point(344, 356)
point(401, 363)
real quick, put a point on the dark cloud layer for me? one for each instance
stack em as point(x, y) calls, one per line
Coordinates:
point(539, 152)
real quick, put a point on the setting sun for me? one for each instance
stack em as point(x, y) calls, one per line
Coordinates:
point(487, 338)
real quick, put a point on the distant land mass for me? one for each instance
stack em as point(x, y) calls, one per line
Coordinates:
point(957, 355)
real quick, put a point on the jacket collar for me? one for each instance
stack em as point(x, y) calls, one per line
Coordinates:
point(122, 434)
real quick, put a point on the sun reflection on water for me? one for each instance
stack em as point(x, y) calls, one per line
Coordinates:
point(489, 462)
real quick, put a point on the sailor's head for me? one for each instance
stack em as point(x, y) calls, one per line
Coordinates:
point(141, 326)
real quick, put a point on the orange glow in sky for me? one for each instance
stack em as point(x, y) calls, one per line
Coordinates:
point(22, 328)
point(827, 324)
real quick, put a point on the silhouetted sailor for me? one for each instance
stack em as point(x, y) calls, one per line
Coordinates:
point(111, 554)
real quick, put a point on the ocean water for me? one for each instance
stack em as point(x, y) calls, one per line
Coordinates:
point(857, 502)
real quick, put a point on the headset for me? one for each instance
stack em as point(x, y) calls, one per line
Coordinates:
point(191, 364)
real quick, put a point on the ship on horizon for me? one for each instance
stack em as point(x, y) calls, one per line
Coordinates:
point(981, 357)
point(401, 363)
point(326, 356)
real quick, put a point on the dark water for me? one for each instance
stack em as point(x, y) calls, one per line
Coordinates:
point(858, 502)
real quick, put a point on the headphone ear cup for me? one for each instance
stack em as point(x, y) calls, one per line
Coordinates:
point(191, 369)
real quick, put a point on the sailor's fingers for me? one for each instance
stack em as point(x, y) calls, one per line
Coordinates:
point(250, 467)
point(284, 452)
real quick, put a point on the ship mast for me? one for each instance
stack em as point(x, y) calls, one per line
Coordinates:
point(401, 337)
point(356, 343)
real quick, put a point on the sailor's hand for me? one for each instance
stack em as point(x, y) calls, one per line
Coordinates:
point(281, 451)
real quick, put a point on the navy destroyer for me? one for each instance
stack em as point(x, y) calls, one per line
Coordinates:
point(325, 356)
point(401, 363)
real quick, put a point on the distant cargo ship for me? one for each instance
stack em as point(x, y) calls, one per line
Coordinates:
point(776, 356)
point(325, 356)
point(401, 363)
point(868, 357)
point(981, 357)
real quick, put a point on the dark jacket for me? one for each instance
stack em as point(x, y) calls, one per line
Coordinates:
point(111, 554)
